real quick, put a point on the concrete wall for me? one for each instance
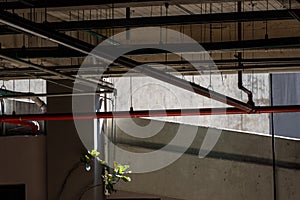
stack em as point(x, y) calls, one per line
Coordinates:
point(64, 149)
point(24, 162)
point(238, 167)
point(149, 93)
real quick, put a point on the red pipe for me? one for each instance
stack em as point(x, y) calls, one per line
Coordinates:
point(147, 113)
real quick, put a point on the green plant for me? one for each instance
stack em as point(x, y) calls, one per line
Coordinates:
point(110, 176)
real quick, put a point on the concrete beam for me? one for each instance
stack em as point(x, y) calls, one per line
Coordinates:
point(92, 3)
point(60, 52)
point(167, 20)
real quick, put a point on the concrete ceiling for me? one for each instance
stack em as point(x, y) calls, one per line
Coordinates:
point(270, 34)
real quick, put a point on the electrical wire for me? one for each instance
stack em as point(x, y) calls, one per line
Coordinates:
point(166, 42)
point(266, 33)
point(131, 104)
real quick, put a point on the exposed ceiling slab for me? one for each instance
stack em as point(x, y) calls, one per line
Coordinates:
point(167, 20)
point(213, 24)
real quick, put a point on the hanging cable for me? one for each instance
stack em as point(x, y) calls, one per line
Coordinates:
point(201, 32)
point(253, 27)
point(181, 39)
point(78, 18)
point(130, 85)
point(2, 113)
point(210, 85)
point(160, 32)
point(70, 15)
point(91, 34)
point(210, 53)
point(23, 46)
point(221, 35)
point(45, 10)
point(204, 28)
point(127, 18)
point(112, 17)
point(166, 54)
point(266, 34)
point(210, 25)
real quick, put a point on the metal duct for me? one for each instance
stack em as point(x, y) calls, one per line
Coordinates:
point(41, 104)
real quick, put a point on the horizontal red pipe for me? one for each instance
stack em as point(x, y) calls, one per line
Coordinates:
point(151, 113)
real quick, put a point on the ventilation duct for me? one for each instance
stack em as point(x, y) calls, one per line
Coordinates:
point(21, 95)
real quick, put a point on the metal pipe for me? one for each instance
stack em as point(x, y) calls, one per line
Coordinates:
point(144, 49)
point(78, 45)
point(295, 14)
point(128, 12)
point(61, 94)
point(27, 26)
point(185, 69)
point(103, 84)
point(186, 85)
point(150, 113)
point(240, 57)
point(248, 92)
point(41, 104)
point(61, 52)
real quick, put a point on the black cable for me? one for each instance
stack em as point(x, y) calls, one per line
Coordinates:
point(266, 33)
point(273, 142)
point(88, 188)
point(2, 113)
point(70, 172)
point(45, 10)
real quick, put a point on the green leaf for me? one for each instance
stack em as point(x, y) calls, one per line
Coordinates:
point(87, 158)
point(120, 169)
point(123, 168)
point(109, 179)
point(94, 153)
point(126, 178)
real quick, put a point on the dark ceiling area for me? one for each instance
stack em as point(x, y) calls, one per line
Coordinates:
point(50, 39)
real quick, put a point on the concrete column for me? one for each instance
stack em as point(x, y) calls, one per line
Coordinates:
point(64, 149)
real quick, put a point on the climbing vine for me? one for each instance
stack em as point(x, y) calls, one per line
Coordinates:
point(110, 176)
